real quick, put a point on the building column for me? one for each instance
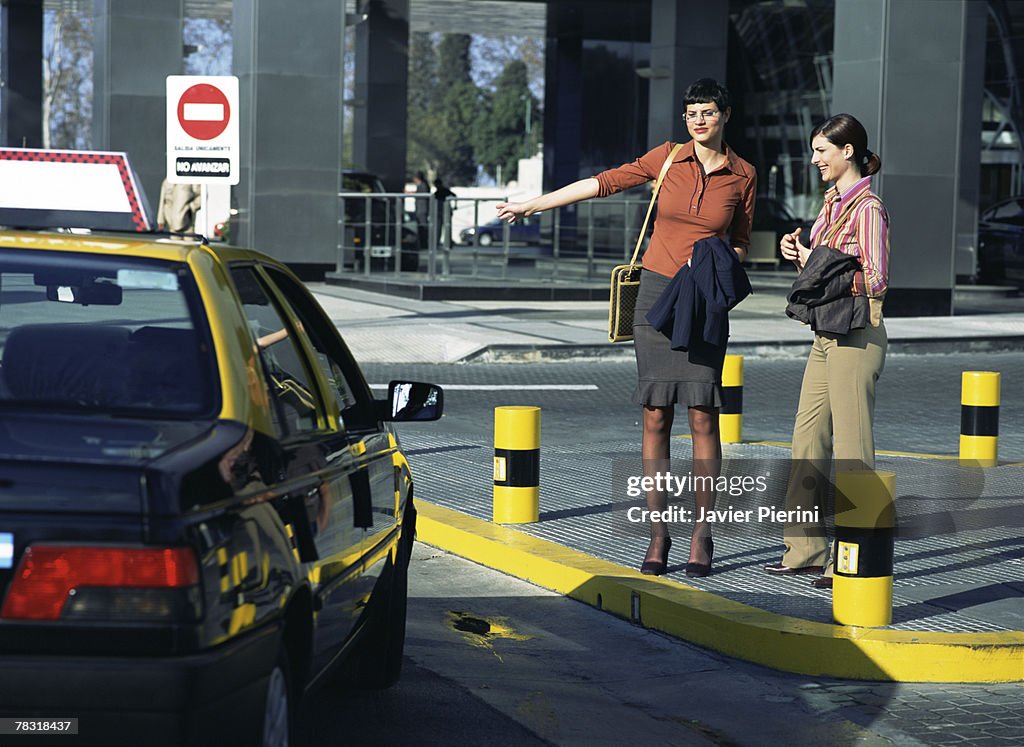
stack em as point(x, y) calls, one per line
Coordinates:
point(135, 47)
point(288, 59)
point(21, 73)
point(969, 166)
point(563, 106)
point(688, 42)
point(381, 92)
point(916, 103)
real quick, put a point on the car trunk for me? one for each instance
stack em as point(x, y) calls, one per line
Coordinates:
point(77, 480)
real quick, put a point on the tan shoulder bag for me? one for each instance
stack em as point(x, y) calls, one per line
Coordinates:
point(625, 280)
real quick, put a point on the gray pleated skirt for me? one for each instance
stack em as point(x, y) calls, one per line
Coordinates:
point(692, 378)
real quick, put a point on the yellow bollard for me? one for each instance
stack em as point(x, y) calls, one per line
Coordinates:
point(865, 535)
point(979, 419)
point(730, 417)
point(516, 464)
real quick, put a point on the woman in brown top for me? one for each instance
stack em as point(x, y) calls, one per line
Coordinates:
point(708, 191)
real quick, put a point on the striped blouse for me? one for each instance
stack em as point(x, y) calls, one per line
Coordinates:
point(865, 235)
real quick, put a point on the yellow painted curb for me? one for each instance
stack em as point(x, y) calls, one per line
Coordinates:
point(777, 641)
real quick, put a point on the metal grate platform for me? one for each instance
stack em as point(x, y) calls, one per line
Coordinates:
point(959, 553)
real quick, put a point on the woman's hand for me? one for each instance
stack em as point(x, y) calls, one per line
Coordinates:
point(793, 250)
point(512, 211)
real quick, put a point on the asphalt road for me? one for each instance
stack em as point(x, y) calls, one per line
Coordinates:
point(494, 660)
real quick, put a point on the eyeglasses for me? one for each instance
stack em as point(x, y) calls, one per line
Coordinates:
point(697, 116)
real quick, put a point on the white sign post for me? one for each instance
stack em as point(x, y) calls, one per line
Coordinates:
point(202, 132)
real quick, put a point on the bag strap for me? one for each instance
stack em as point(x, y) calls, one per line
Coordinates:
point(843, 217)
point(654, 196)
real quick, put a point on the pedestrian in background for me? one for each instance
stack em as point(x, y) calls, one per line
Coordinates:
point(444, 222)
point(422, 209)
point(837, 397)
point(178, 206)
point(708, 192)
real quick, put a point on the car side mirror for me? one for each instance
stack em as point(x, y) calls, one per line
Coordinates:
point(410, 401)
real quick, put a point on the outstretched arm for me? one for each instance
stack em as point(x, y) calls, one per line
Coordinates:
point(584, 189)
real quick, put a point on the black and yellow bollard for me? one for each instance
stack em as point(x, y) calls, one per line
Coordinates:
point(730, 417)
point(516, 464)
point(979, 419)
point(865, 537)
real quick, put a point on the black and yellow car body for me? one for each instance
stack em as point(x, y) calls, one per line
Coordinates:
point(203, 510)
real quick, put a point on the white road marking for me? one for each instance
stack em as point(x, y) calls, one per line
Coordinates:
point(510, 387)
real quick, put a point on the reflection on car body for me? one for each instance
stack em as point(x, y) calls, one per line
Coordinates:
point(194, 528)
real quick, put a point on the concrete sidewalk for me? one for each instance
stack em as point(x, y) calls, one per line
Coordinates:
point(958, 595)
point(392, 329)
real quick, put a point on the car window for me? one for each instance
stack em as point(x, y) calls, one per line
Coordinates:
point(347, 385)
point(295, 403)
point(103, 333)
point(1007, 212)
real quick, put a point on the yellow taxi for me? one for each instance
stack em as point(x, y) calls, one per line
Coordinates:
point(204, 512)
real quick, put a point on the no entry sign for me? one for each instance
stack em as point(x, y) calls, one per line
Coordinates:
point(202, 129)
point(204, 112)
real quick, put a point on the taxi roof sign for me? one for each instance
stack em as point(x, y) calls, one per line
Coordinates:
point(71, 189)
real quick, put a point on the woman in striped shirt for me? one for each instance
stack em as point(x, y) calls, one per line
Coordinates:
point(837, 397)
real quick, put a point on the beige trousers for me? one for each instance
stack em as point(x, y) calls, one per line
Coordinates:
point(834, 418)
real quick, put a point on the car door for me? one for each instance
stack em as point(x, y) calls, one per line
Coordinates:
point(325, 496)
point(358, 434)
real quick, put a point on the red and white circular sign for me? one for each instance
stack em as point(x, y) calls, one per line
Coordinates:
point(203, 111)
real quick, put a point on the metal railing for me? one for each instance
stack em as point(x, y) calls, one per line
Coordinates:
point(381, 234)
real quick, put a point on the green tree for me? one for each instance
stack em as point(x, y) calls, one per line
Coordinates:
point(423, 145)
point(457, 109)
point(507, 131)
point(491, 53)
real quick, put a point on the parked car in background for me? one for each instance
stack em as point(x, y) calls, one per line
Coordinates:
point(525, 231)
point(385, 212)
point(1001, 242)
point(204, 513)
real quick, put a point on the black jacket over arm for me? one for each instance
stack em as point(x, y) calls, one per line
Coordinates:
point(714, 282)
point(822, 294)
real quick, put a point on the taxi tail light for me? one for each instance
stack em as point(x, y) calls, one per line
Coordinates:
point(54, 582)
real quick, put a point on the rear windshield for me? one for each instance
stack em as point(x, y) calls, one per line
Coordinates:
point(81, 332)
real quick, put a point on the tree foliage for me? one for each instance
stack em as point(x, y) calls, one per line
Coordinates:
point(469, 102)
point(457, 105)
point(424, 145)
point(490, 54)
point(508, 130)
point(209, 43)
point(441, 99)
point(67, 78)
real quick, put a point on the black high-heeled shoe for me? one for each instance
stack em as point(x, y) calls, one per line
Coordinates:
point(700, 570)
point(657, 567)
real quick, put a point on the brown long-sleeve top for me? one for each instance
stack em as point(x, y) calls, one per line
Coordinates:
point(691, 205)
